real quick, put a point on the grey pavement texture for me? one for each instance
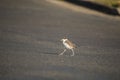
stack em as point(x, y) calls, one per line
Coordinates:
point(30, 33)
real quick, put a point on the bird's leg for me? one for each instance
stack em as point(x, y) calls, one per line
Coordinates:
point(62, 52)
point(72, 52)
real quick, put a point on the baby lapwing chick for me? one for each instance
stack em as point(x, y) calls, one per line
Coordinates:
point(68, 45)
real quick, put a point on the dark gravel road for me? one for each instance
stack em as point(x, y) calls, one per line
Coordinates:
point(30, 33)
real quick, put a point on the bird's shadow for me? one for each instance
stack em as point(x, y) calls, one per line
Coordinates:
point(51, 53)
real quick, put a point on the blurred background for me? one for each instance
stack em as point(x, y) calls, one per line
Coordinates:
point(30, 34)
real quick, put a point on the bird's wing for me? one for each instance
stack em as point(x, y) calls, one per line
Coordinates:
point(70, 43)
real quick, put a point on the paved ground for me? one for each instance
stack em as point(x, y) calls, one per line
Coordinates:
point(30, 33)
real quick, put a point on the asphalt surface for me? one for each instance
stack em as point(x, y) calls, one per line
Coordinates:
point(30, 33)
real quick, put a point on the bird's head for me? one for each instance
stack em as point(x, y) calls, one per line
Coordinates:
point(64, 39)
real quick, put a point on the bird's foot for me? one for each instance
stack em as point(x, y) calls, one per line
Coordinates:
point(60, 54)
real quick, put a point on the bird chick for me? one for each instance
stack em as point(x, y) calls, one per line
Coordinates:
point(68, 45)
